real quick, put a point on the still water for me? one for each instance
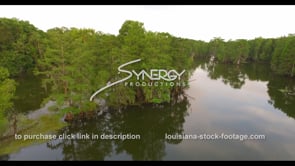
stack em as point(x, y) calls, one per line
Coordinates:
point(245, 99)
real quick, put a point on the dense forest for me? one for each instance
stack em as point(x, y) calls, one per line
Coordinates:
point(279, 52)
point(73, 63)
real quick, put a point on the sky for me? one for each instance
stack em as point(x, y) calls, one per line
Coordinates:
point(187, 21)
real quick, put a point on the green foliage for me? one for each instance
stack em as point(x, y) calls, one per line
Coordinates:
point(283, 59)
point(216, 48)
point(77, 62)
point(261, 50)
point(276, 52)
point(68, 65)
point(20, 45)
point(7, 89)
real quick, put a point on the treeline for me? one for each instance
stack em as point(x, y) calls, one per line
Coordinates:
point(279, 52)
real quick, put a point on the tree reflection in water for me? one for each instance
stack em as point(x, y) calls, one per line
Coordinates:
point(281, 90)
point(282, 95)
point(152, 122)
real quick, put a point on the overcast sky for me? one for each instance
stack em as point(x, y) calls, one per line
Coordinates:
point(194, 22)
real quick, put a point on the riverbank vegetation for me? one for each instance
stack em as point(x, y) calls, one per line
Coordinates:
point(276, 52)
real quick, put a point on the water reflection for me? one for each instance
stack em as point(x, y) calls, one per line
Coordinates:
point(152, 122)
point(244, 99)
point(229, 75)
point(280, 89)
point(29, 93)
point(282, 94)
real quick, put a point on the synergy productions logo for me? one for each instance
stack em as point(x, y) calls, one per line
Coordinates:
point(156, 75)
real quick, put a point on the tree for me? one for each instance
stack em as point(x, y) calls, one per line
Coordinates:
point(283, 59)
point(7, 89)
point(216, 48)
point(266, 50)
point(255, 47)
point(68, 65)
point(19, 45)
